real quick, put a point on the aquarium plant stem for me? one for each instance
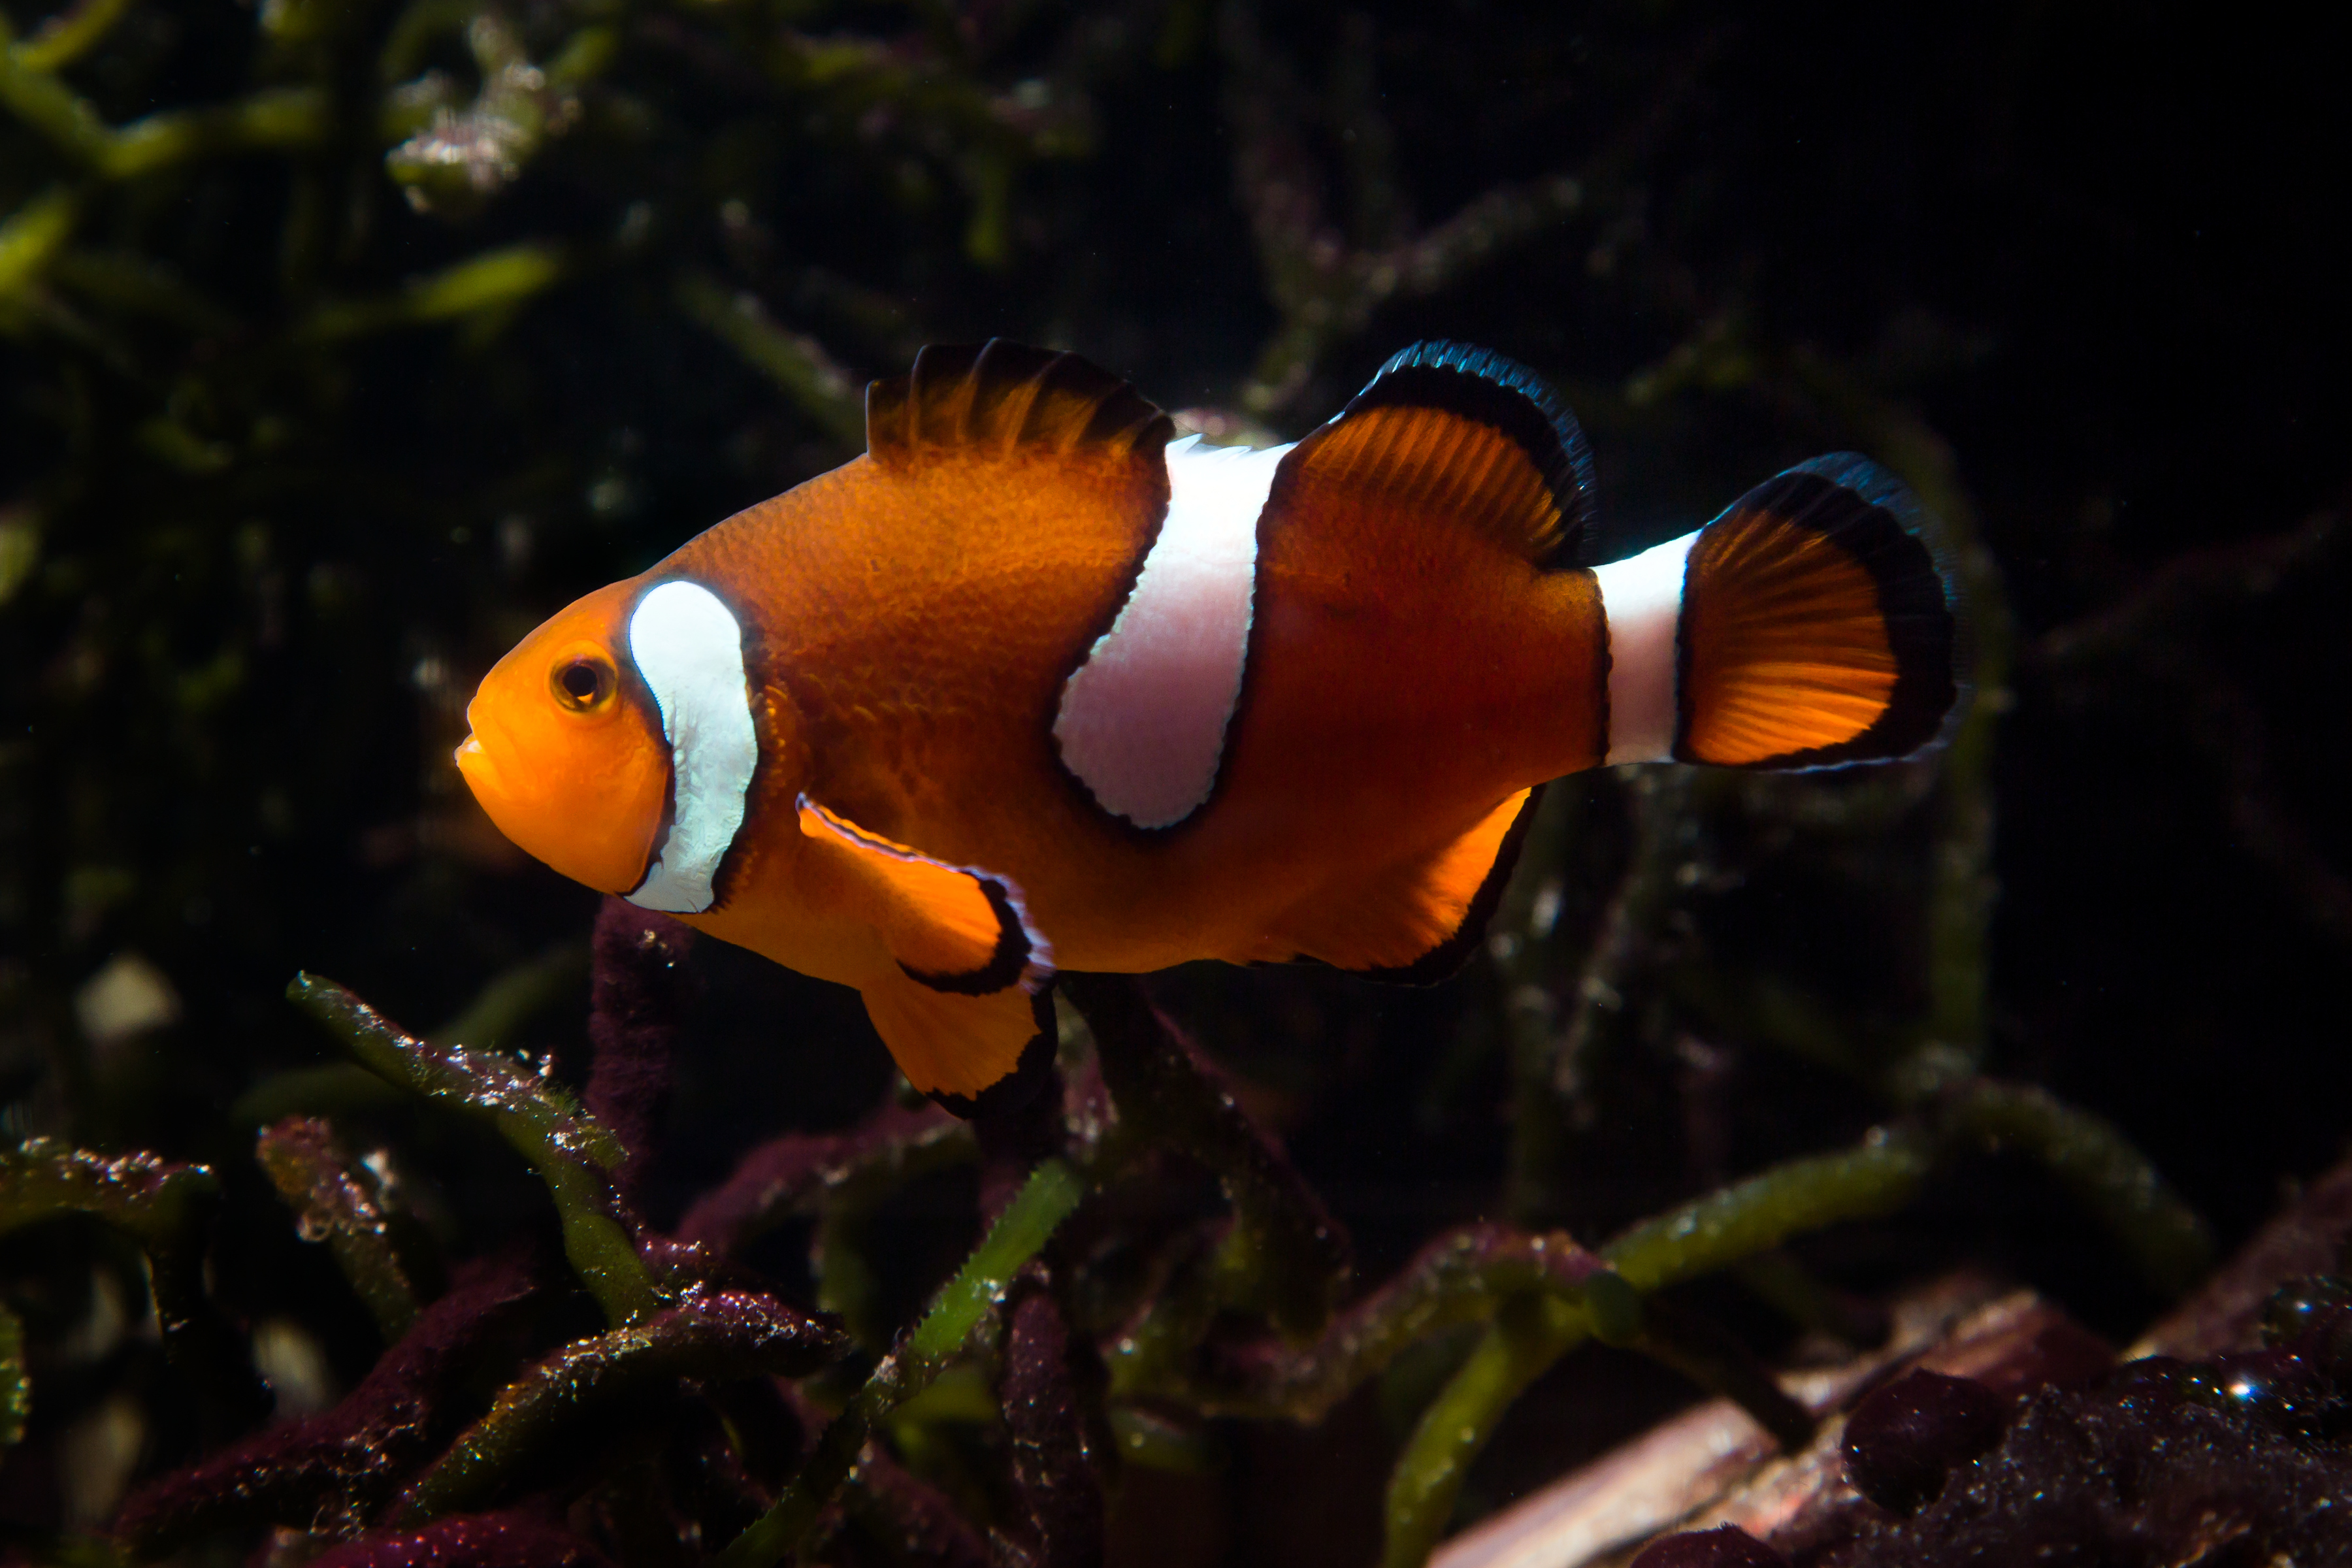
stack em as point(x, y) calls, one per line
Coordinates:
point(2099, 1168)
point(339, 1200)
point(1526, 961)
point(1284, 1249)
point(165, 1207)
point(710, 1335)
point(15, 1386)
point(568, 1150)
point(1052, 1191)
point(1664, 837)
point(1876, 1177)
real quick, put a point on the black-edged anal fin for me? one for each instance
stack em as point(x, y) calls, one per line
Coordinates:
point(1462, 436)
point(1414, 922)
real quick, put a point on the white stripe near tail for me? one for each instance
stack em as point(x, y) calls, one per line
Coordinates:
point(1641, 598)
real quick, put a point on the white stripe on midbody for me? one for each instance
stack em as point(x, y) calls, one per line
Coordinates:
point(689, 649)
point(1142, 721)
point(1641, 598)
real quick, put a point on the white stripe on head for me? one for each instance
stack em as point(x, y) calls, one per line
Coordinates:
point(1142, 721)
point(689, 649)
point(1641, 599)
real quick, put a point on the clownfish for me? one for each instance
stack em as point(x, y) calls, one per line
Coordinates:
point(1032, 685)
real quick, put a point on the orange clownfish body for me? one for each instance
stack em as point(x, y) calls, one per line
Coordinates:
point(1030, 686)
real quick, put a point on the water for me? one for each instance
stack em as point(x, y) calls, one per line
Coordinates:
point(310, 417)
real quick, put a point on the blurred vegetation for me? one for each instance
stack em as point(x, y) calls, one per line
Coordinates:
point(344, 340)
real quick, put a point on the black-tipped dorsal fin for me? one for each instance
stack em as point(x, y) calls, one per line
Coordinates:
point(1469, 436)
point(1000, 398)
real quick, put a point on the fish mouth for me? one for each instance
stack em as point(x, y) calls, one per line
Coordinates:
point(481, 775)
point(478, 765)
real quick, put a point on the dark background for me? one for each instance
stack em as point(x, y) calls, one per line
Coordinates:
point(272, 514)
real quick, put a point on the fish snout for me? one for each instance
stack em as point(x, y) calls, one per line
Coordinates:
point(477, 764)
point(473, 762)
point(585, 799)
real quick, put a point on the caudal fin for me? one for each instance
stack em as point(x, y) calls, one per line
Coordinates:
point(1813, 623)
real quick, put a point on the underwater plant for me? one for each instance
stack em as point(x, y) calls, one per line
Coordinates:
point(343, 341)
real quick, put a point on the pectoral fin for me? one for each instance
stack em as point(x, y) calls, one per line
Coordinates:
point(952, 928)
point(965, 1011)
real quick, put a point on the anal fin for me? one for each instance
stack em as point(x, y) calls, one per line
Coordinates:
point(1414, 922)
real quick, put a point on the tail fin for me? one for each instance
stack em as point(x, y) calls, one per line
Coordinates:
point(1812, 624)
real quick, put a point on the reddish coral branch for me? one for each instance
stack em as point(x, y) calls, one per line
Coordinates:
point(1458, 1278)
point(332, 1471)
point(1293, 1253)
point(912, 1519)
point(1057, 1469)
point(514, 1540)
point(638, 996)
point(342, 1201)
point(782, 1177)
point(709, 1334)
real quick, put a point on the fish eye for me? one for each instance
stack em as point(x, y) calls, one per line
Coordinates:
point(584, 682)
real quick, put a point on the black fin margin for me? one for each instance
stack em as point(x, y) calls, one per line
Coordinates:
point(1030, 1074)
point(1002, 395)
point(1445, 959)
point(1481, 385)
point(1006, 965)
point(1008, 962)
point(1874, 516)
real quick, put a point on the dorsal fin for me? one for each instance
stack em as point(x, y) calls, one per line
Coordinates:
point(1002, 397)
point(1469, 436)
